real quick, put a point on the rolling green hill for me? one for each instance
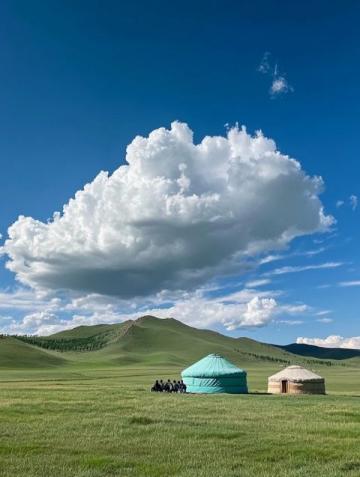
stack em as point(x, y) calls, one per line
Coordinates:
point(146, 341)
point(84, 331)
point(14, 353)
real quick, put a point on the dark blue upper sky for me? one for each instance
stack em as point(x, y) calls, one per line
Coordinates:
point(80, 79)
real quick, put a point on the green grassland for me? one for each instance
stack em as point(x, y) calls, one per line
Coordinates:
point(90, 413)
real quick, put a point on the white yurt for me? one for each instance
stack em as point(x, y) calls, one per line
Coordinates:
point(296, 380)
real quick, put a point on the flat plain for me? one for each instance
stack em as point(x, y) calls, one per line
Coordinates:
point(93, 421)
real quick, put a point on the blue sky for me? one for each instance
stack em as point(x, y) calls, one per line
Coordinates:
point(79, 82)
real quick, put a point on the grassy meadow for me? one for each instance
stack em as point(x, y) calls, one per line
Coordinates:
point(78, 404)
point(91, 421)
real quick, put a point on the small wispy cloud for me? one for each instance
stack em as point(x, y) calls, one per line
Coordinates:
point(264, 66)
point(325, 238)
point(270, 258)
point(353, 199)
point(305, 268)
point(325, 320)
point(311, 253)
point(323, 312)
point(306, 253)
point(291, 322)
point(294, 309)
point(351, 283)
point(352, 202)
point(279, 84)
point(258, 283)
point(322, 316)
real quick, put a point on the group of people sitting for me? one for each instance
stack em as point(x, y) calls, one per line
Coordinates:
point(161, 386)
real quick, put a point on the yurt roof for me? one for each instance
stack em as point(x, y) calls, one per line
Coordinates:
point(295, 374)
point(212, 366)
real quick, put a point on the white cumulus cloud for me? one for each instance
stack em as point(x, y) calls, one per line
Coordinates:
point(175, 215)
point(244, 308)
point(204, 313)
point(333, 341)
point(41, 322)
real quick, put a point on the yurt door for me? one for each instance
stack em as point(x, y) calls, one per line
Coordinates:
point(284, 387)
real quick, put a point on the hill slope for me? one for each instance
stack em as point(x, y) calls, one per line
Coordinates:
point(146, 341)
point(15, 353)
point(151, 340)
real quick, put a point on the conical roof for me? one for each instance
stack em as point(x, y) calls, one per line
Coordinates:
point(212, 366)
point(295, 374)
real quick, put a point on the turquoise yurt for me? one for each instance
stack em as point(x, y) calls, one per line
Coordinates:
point(214, 374)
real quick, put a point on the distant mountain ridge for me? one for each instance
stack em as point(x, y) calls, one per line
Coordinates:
point(146, 341)
point(320, 352)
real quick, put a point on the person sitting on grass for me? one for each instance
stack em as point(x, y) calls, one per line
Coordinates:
point(175, 387)
point(182, 387)
point(156, 387)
